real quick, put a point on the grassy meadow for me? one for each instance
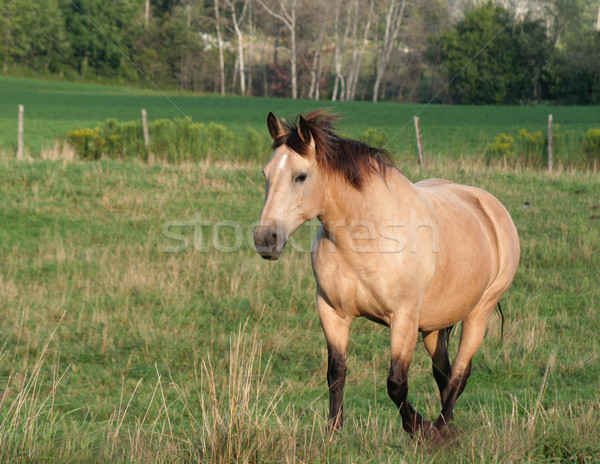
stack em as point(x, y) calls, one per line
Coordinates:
point(122, 342)
point(52, 108)
point(138, 324)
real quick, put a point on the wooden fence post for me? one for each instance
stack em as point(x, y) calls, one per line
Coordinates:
point(550, 143)
point(419, 141)
point(20, 145)
point(147, 137)
point(147, 13)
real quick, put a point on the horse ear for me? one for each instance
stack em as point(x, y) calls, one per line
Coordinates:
point(304, 131)
point(276, 129)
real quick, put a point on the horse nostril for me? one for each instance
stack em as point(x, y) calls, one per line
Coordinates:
point(272, 239)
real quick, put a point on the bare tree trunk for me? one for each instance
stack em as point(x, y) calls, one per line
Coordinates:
point(320, 14)
point(293, 53)
point(315, 70)
point(237, 22)
point(319, 74)
point(242, 68)
point(393, 21)
point(264, 69)
point(336, 82)
point(251, 33)
point(276, 44)
point(289, 21)
point(313, 74)
point(352, 6)
point(185, 56)
point(234, 77)
point(220, 45)
point(358, 54)
point(146, 13)
point(340, 44)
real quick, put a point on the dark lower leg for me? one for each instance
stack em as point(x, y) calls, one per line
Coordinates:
point(336, 378)
point(397, 385)
point(435, 343)
point(442, 370)
point(471, 336)
point(454, 389)
point(441, 374)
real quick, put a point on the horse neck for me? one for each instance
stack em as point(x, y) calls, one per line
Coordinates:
point(345, 205)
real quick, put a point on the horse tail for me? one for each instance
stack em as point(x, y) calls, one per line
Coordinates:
point(499, 308)
point(448, 330)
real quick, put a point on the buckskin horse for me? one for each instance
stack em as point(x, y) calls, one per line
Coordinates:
point(416, 257)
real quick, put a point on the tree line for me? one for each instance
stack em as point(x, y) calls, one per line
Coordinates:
point(449, 51)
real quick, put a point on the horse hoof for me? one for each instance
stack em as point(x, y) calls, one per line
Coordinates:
point(433, 433)
point(427, 428)
point(423, 431)
point(438, 436)
point(443, 433)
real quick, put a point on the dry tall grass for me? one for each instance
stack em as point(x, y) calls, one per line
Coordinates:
point(115, 351)
point(236, 417)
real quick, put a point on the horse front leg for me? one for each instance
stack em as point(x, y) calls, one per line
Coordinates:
point(403, 341)
point(337, 332)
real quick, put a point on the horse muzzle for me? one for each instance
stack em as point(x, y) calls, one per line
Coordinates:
point(269, 242)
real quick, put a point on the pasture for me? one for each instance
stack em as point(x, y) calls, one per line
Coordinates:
point(52, 108)
point(117, 344)
point(138, 324)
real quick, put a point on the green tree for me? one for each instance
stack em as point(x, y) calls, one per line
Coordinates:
point(100, 35)
point(568, 18)
point(33, 35)
point(574, 71)
point(490, 58)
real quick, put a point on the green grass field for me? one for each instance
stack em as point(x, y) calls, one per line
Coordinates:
point(129, 332)
point(117, 348)
point(52, 108)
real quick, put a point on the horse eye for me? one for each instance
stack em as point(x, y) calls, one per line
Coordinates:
point(301, 178)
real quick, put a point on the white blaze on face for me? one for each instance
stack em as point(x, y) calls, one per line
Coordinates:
point(277, 204)
point(282, 162)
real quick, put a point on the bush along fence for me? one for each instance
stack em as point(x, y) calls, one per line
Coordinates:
point(176, 140)
point(170, 140)
point(182, 140)
point(533, 148)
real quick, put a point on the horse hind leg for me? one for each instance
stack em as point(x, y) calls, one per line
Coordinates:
point(472, 334)
point(403, 341)
point(436, 345)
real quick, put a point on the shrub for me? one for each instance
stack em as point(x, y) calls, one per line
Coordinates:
point(87, 143)
point(255, 145)
point(374, 137)
point(219, 140)
point(532, 146)
point(503, 147)
point(591, 144)
point(172, 140)
point(161, 138)
point(532, 142)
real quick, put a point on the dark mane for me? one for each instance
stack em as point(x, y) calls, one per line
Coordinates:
point(351, 159)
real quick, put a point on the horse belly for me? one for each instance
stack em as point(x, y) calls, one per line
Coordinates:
point(444, 310)
point(459, 283)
